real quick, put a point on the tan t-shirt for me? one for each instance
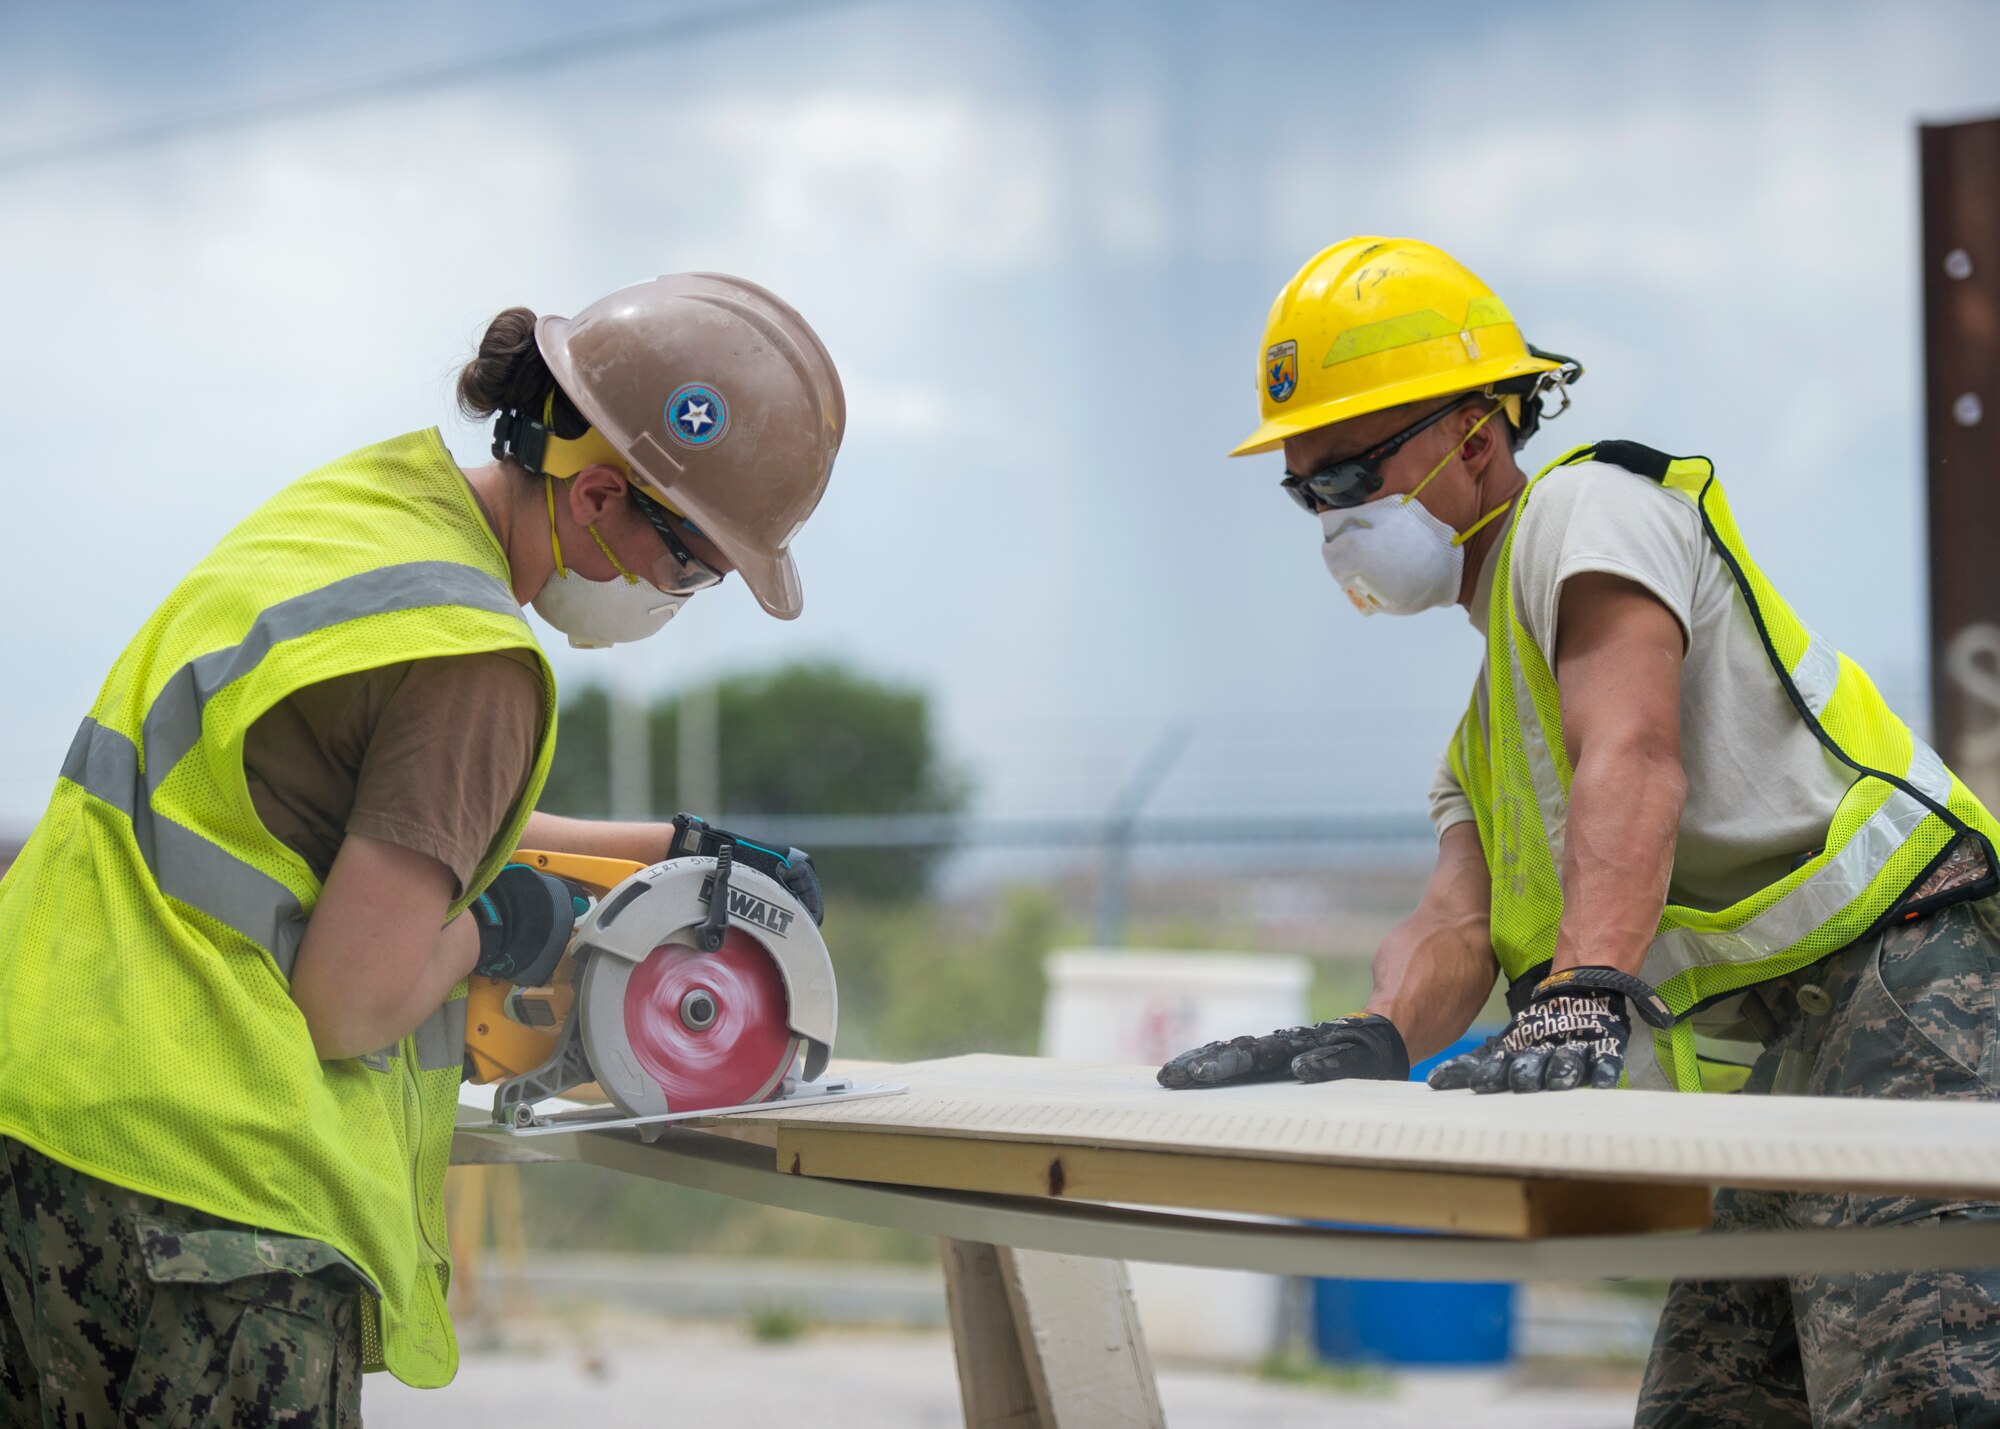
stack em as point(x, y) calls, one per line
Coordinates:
point(429, 755)
point(1761, 788)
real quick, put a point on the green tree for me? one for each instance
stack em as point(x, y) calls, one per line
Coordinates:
point(580, 774)
point(808, 738)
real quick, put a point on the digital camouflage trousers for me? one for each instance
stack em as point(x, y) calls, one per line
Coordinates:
point(122, 1309)
point(1908, 1013)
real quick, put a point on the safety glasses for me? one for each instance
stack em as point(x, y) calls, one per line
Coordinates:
point(1352, 480)
point(680, 571)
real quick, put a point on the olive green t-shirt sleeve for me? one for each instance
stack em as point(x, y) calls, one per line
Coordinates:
point(451, 752)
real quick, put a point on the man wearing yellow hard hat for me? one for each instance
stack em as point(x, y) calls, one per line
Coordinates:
point(1668, 796)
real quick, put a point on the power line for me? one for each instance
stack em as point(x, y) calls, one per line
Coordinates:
point(691, 23)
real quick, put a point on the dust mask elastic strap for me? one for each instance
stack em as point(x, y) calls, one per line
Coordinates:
point(1461, 537)
point(555, 541)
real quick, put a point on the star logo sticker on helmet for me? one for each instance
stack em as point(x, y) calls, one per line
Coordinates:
point(696, 415)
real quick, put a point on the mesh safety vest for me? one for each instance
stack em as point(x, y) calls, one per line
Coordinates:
point(148, 928)
point(1894, 824)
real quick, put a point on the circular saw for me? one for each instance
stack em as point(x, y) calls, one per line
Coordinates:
point(689, 987)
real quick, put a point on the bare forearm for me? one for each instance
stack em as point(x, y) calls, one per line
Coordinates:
point(597, 838)
point(1433, 971)
point(1431, 978)
point(351, 1017)
point(374, 963)
point(1618, 854)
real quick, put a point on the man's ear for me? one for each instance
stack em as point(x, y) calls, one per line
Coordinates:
point(1484, 445)
point(593, 491)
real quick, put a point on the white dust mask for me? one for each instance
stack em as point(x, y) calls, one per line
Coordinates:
point(594, 614)
point(1392, 556)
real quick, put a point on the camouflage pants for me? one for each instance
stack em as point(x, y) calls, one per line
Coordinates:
point(1910, 1013)
point(123, 1309)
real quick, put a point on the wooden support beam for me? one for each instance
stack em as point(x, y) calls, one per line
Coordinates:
point(1047, 1341)
point(1510, 1207)
point(993, 1382)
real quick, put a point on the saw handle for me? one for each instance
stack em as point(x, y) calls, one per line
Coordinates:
point(497, 1044)
point(694, 835)
point(524, 918)
point(717, 923)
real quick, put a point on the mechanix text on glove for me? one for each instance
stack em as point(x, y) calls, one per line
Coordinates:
point(1361, 1046)
point(1572, 1033)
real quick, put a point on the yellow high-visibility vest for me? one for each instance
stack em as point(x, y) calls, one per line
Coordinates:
point(1894, 824)
point(148, 929)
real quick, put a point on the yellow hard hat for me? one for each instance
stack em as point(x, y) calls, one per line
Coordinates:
point(1374, 323)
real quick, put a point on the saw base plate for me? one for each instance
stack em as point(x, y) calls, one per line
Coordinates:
point(539, 1123)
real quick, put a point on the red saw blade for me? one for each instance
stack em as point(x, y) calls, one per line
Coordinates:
point(710, 1028)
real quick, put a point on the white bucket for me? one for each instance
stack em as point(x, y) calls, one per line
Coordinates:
point(1134, 1006)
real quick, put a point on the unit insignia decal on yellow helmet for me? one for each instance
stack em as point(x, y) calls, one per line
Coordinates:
point(1281, 369)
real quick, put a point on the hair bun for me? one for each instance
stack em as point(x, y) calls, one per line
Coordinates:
point(509, 374)
point(508, 370)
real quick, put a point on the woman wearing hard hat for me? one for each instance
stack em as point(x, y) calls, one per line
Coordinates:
point(228, 1025)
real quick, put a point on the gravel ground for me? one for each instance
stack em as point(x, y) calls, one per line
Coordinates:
point(608, 1372)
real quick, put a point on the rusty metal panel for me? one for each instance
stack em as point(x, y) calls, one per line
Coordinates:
point(1961, 264)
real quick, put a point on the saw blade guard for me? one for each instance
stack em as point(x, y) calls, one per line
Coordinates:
point(660, 1019)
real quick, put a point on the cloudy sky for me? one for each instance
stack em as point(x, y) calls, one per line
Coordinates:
point(1040, 240)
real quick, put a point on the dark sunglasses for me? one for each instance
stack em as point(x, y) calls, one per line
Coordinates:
point(1352, 480)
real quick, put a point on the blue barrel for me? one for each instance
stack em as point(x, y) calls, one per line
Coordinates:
point(1415, 1322)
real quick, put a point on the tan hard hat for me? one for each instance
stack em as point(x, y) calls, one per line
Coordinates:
point(724, 401)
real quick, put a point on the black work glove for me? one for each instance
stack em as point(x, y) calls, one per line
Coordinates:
point(525, 919)
point(1572, 1033)
point(793, 869)
point(1363, 1046)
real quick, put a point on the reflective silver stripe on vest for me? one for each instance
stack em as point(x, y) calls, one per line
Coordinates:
point(441, 1038)
point(186, 866)
point(173, 724)
point(1642, 1068)
point(1928, 773)
point(1799, 913)
point(1642, 1064)
point(1816, 673)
